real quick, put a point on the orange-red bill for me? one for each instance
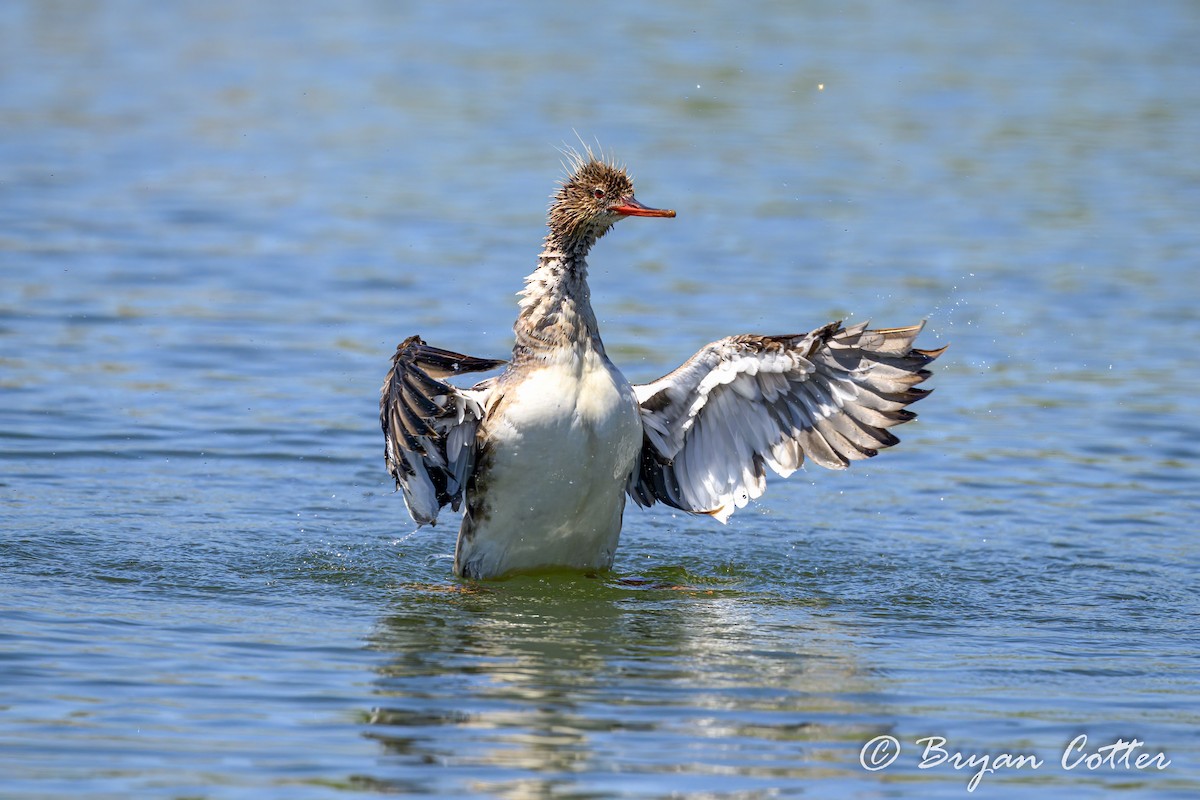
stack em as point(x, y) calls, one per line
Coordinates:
point(630, 207)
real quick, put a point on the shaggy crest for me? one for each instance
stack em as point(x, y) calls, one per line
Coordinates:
point(579, 210)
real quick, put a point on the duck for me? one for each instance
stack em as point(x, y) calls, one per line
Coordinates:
point(542, 457)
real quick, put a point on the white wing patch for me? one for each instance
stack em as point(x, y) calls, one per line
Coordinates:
point(748, 402)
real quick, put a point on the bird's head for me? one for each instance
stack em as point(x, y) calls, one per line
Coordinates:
point(592, 199)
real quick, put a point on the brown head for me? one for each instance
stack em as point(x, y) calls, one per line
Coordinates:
point(592, 199)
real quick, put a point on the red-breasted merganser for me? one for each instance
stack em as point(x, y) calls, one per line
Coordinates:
point(545, 453)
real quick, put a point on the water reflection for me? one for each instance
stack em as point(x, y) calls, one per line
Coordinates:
point(520, 683)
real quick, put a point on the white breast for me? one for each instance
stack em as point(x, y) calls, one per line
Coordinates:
point(586, 408)
point(562, 443)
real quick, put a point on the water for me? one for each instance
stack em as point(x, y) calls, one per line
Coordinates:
point(216, 222)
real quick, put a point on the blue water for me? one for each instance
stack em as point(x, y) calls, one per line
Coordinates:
point(217, 221)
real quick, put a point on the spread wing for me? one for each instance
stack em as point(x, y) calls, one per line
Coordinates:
point(429, 425)
point(746, 402)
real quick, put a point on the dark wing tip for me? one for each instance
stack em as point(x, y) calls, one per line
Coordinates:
point(930, 355)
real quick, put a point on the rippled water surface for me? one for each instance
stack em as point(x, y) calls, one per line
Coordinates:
point(216, 222)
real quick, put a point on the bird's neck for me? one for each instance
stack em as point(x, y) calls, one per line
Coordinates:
point(556, 307)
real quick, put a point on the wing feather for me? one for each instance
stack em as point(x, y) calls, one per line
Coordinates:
point(429, 425)
point(746, 403)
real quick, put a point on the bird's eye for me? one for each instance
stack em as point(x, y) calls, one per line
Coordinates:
point(598, 193)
